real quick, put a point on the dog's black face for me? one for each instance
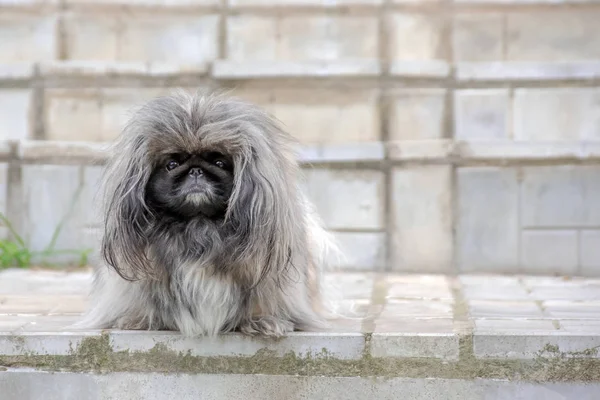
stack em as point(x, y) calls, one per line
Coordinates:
point(191, 185)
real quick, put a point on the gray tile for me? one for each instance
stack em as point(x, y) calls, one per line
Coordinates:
point(417, 308)
point(418, 287)
point(504, 309)
point(48, 323)
point(388, 324)
point(493, 290)
point(488, 280)
point(572, 310)
point(513, 326)
point(580, 326)
point(40, 304)
point(567, 292)
point(32, 281)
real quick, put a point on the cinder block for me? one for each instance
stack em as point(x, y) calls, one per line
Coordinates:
point(27, 36)
point(361, 250)
point(557, 114)
point(16, 113)
point(178, 38)
point(478, 37)
point(549, 252)
point(55, 195)
point(568, 35)
point(422, 219)
point(481, 114)
point(91, 36)
point(488, 219)
point(3, 196)
point(320, 116)
point(560, 197)
point(73, 115)
point(92, 115)
point(347, 199)
point(417, 114)
point(589, 252)
point(301, 38)
point(415, 37)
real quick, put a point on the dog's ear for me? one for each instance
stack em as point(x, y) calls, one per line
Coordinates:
point(265, 208)
point(126, 216)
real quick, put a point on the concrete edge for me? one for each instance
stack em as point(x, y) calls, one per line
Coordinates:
point(434, 151)
point(227, 69)
point(308, 354)
point(526, 71)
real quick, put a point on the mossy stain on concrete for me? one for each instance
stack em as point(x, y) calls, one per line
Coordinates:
point(95, 354)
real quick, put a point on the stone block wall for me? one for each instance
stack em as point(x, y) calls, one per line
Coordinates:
point(436, 135)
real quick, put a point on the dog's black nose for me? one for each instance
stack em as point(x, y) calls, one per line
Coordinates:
point(195, 171)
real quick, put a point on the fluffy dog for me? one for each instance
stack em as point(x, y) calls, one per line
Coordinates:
point(205, 228)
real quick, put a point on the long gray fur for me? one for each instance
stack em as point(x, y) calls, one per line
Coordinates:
point(258, 270)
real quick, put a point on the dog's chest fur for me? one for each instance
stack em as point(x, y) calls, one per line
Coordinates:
point(197, 301)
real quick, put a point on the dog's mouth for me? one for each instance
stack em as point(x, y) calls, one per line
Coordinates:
point(197, 198)
point(194, 188)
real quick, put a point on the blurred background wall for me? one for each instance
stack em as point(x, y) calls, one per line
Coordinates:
point(437, 136)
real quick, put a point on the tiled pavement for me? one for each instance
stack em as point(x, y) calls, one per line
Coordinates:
point(43, 300)
point(407, 315)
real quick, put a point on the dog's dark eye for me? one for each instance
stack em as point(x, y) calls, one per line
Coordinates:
point(172, 164)
point(220, 163)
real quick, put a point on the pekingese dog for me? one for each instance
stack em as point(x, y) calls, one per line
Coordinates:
point(205, 228)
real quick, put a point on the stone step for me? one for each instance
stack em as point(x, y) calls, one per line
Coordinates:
point(149, 386)
point(418, 336)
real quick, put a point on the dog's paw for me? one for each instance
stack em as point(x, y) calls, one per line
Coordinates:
point(266, 326)
point(131, 324)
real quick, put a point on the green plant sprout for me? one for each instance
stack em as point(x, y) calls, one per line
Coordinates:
point(16, 253)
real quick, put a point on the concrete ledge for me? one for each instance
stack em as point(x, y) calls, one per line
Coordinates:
point(420, 69)
point(436, 151)
point(7, 150)
point(508, 150)
point(16, 71)
point(25, 384)
point(54, 152)
point(224, 69)
point(420, 150)
point(111, 69)
point(352, 152)
point(520, 71)
point(236, 4)
point(523, 2)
